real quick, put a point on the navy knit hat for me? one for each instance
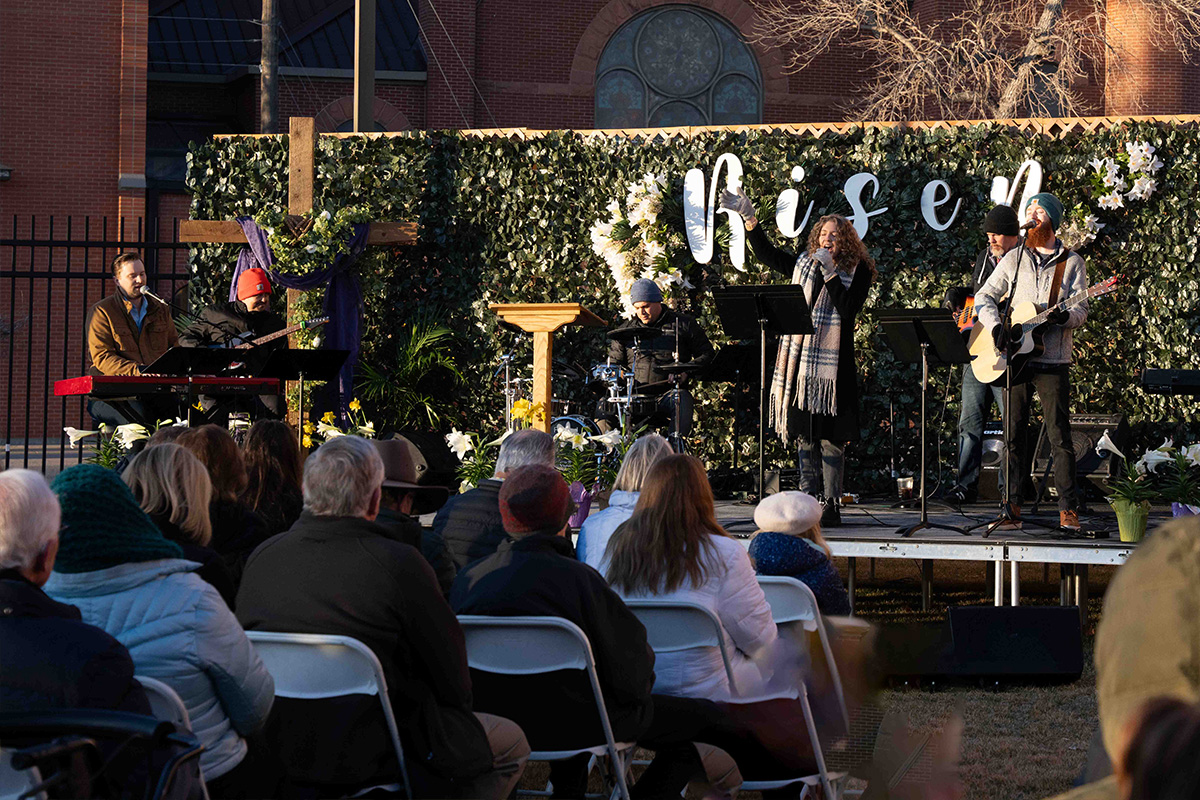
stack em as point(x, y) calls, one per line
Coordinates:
point(534, 499)
point(102, 525)
point(1054, 208)
point(645, 290)
point(1002, 220)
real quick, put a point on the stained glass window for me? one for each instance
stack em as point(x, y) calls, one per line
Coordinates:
point(677, 65)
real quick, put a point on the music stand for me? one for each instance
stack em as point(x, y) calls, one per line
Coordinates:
point(929, 337)
point(747, 310)
point(302, 365)
point(193, 361)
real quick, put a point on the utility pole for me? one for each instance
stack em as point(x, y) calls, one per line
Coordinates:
point(268, 80)
point(364, 65)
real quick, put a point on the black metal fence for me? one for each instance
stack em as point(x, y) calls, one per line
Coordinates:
point(52, 270)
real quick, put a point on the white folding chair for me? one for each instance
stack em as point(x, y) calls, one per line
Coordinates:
point(791, 601)
point(535, 645)
point(166, 704)
point(673, 625)
point(311, 666)
point(15, 782)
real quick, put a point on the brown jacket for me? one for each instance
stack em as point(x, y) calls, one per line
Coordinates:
point(1148, 642)
point(114, 343)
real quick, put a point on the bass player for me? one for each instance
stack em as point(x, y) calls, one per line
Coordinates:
point(1003, 234)
point(1041, 271)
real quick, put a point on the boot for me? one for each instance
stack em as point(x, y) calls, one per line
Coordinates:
point(831, 517)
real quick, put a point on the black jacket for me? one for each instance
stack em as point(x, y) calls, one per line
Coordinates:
point(49, 658)
point(694, 346)
point(212, 567)
point(539, 576)
point(221, 323)
point(431, 545)
point(236, 531)
point(470, 523)
point(347, 576)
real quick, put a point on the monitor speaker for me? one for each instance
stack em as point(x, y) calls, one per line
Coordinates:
point(1093, 465)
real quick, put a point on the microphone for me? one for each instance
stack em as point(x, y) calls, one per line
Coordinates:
point(1033, 223)
point(147, 293)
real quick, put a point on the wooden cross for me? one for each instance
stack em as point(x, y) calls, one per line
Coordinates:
point(302, 146)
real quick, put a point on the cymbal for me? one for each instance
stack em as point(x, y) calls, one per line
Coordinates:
point(686, 366)
point(629, 334)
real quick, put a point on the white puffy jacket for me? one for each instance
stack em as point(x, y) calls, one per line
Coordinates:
point(598, 528)
point(179, 630)
point(733, 594)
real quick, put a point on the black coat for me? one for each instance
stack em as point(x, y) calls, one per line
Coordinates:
point(236, 531)
point(694, 346)
point(347, 576)
point(539, 576)
point(432, 547)
point(49, 658)
point(212, 570)
point(470, 523)
point(844, 426)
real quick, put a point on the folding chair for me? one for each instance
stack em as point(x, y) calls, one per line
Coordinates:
point(792, 601)
point(673, 625)
point(535, 645)
point(311, 666)
point(166, 704)
point(16, 782)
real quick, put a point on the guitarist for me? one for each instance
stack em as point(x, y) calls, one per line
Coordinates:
point(1003, 233)
point(1046, 273)
point(243, 320)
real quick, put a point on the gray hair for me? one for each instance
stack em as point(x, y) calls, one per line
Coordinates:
point(341, 476)
point(525, 448)
point(29, 517)
point(641, 456)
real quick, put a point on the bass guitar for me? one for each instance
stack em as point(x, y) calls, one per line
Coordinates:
point(289, 330)
point(1028, 318)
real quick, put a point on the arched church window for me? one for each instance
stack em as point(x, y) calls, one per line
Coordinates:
point(677, 65)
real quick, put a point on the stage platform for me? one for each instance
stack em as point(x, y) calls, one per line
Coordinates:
point(869, 530)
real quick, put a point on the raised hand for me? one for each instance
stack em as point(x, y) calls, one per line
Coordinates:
point(738, 203)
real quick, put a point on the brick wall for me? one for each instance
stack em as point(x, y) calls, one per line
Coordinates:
point(1155, 80)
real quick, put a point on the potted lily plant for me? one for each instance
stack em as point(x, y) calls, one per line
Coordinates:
point(583, 461)
point(1130, 495)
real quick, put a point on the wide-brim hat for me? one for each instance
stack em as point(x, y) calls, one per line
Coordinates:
point(788, 512)
point(400, 457)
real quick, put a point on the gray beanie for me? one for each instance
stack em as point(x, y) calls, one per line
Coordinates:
point(645, 290)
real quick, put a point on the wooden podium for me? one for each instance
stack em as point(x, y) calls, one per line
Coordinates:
point(543, 319)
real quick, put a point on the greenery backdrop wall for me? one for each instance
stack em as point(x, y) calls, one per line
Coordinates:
point(510, 218)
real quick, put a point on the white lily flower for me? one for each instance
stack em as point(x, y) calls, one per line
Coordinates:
point(1192, 453)
point(1152, 459)
point(328, 431)
point(459, 442)
point(578, 441)
point(563, 433)
point(1112, 201)
point(367, 430)
point(613, 438)
point(129, 433)
point(74, 434)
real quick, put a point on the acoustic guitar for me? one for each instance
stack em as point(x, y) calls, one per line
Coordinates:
point(1029, 318)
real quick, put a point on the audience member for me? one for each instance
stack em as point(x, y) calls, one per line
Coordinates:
point(49, 658)
point(534, 573)
point(236, 529)
point(173, 488)
point(789, 542)
point(598, 528)
point(1159, 759)
point(404, 499)
point(673, 547)
point(126, 577)
point(337, 571)
point(166, 434)
point(273, 474)
point(470, 523)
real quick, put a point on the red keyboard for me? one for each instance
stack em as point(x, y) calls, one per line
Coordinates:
point(134, 385)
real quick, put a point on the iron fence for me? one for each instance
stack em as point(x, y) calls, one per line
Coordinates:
point(52, 270)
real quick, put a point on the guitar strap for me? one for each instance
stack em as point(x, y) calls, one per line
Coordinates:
point(1060, 266)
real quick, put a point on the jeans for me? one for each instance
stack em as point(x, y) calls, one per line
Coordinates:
point(976, 401)
point(832, 468)
point(1053, 387)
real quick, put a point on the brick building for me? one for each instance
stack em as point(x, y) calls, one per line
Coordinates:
point(99, 99)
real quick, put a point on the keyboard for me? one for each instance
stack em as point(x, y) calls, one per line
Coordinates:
point(1171, 381)
point(137, 385)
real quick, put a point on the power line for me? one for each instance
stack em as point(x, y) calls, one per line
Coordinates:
point(438, 64)
point(438, 17)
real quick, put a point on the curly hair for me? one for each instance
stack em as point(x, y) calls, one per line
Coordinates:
point(217, 451)
point(851, 251)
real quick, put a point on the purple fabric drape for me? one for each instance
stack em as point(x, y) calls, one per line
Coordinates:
point(343, 298)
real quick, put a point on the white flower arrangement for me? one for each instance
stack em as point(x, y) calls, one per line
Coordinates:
point(635, 243)
point(1111, 179)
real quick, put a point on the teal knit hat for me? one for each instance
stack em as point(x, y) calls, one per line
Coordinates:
point(1054, 208)
point(102, 525)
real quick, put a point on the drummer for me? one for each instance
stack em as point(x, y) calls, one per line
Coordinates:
point(655, 350)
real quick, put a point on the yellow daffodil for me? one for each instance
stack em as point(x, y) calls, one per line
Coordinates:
point(309, 427)
point(307, 440)
point(329, 418)
point(537, 413)
point(355, 405)
point(522, 409)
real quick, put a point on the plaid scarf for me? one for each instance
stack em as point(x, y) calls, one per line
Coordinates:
point(806, 366)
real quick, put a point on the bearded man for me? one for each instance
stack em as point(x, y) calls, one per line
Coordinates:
point(1043, 272)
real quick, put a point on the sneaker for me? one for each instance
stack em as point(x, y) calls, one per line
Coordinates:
point(1012, 522)
point(958, 495)
point(831, 517)
point(1069, 520)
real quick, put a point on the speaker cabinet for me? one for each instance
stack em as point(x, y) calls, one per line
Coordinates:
point(1092, 467)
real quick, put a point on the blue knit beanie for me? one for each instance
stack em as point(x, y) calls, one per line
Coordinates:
point(102, 525)
point(645, 290)
point(1052, 205)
